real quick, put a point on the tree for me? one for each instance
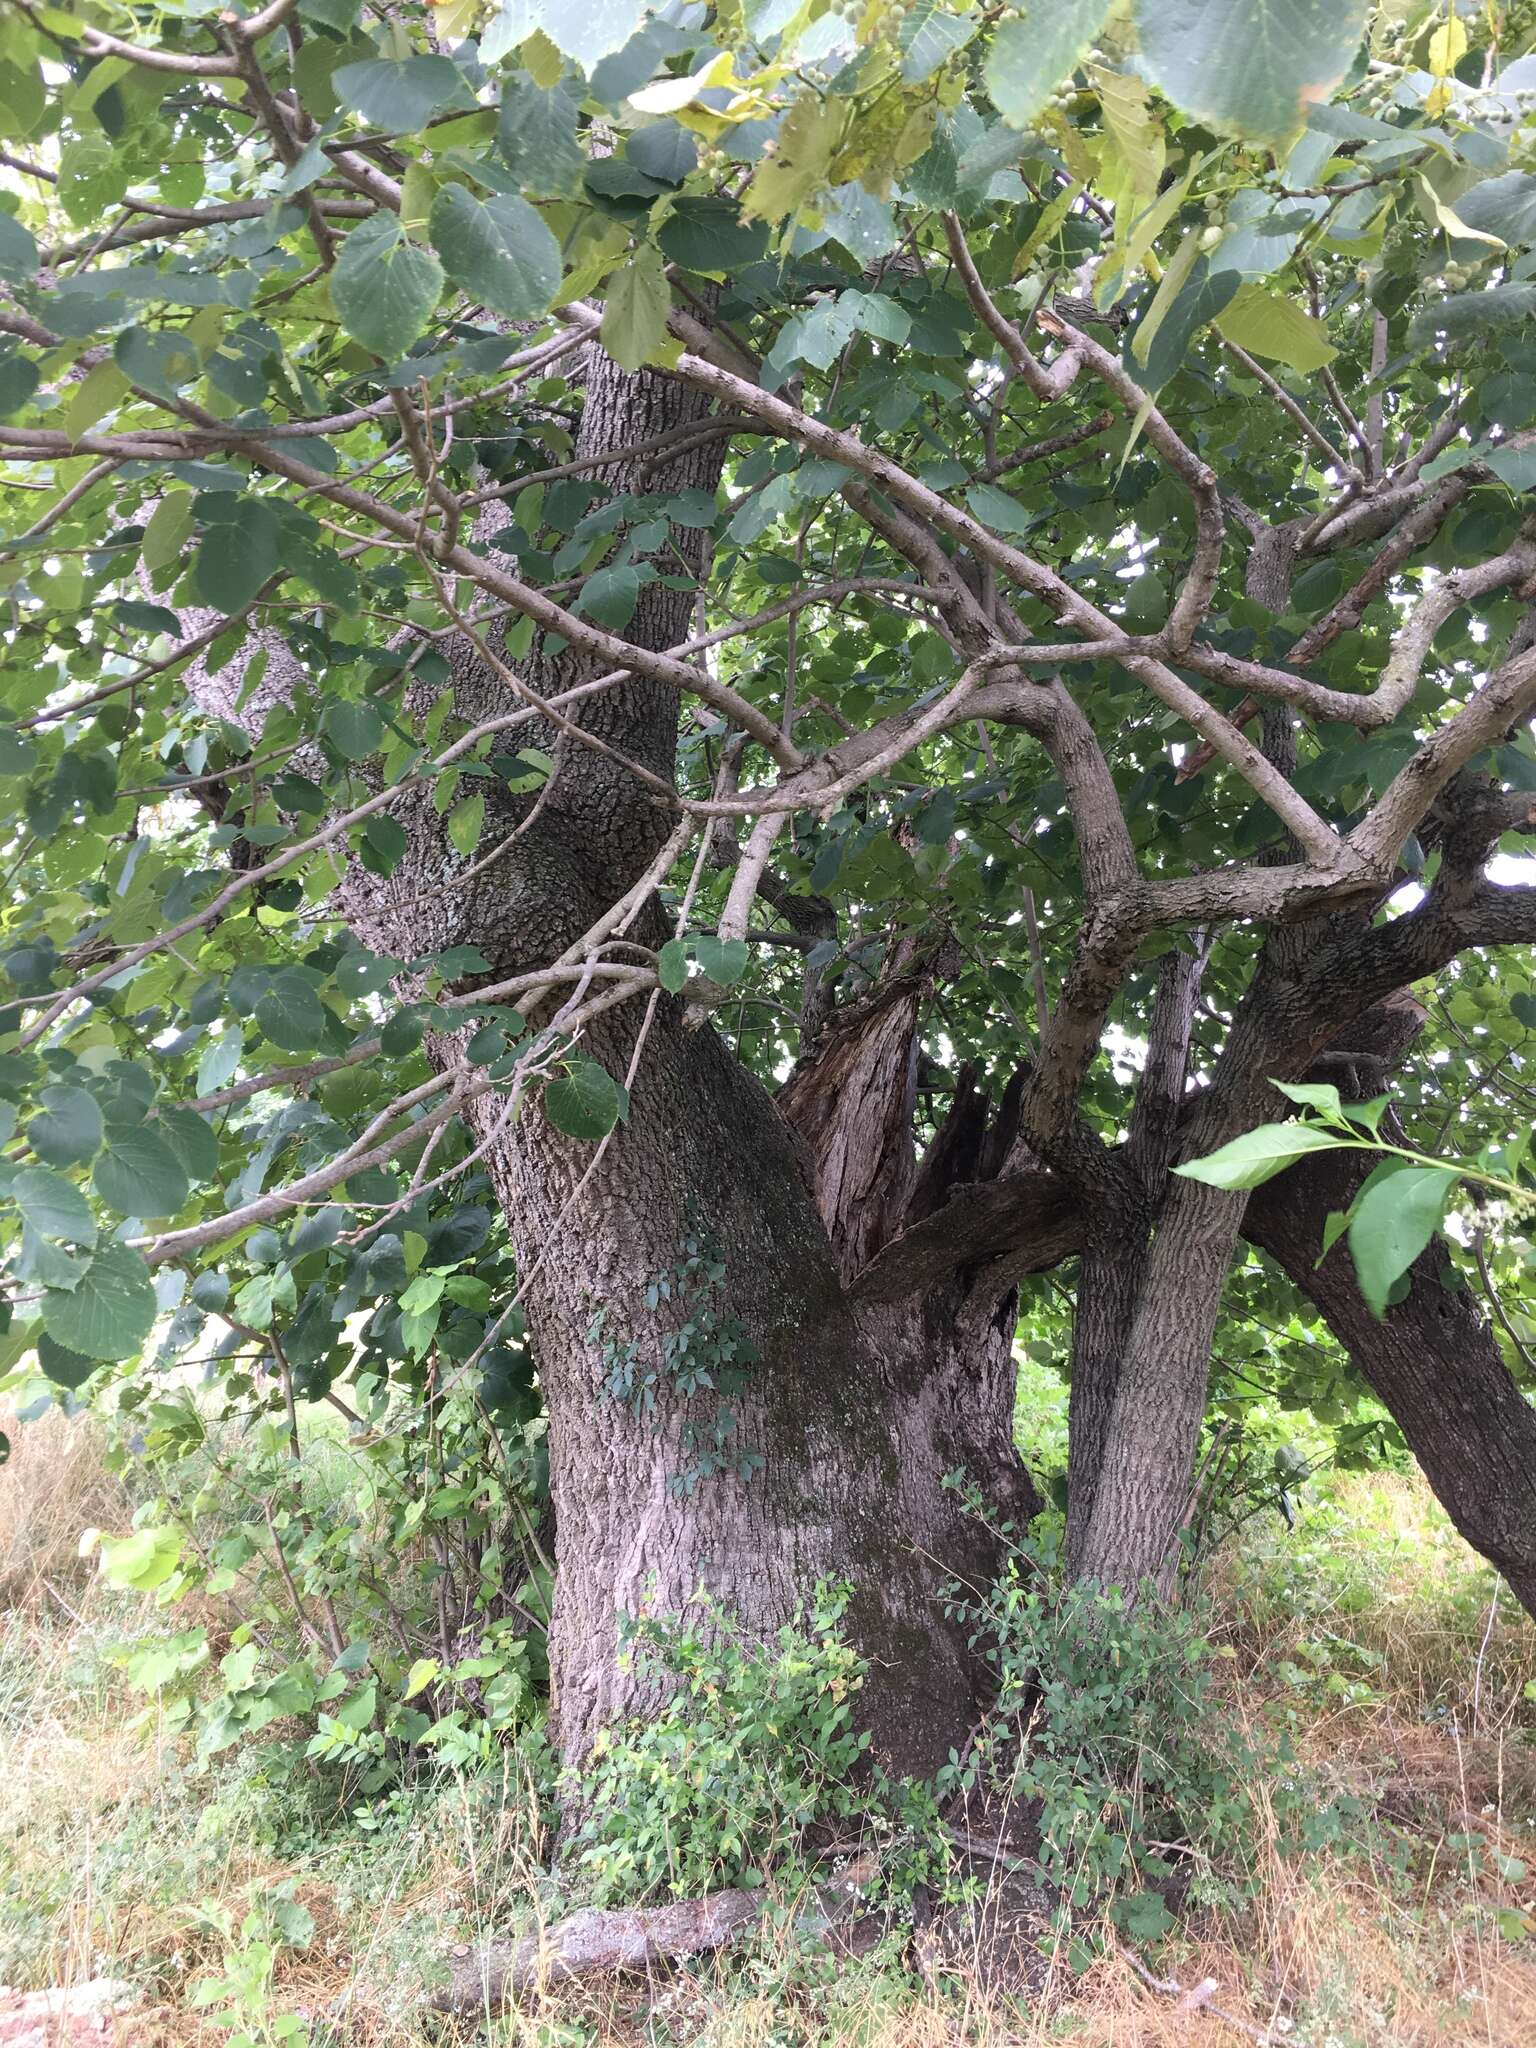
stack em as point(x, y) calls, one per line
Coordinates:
point(657, 614)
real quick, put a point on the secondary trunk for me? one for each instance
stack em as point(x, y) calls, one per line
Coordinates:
point(1433, 1363)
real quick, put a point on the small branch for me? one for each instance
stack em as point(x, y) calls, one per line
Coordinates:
point(1277, 391)
point(1200, 1998)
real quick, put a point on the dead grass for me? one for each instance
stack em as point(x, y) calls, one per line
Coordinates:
point(55, 1484)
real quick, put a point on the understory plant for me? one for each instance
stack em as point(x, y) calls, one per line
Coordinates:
point(747, 1749)
point(1111, 1732)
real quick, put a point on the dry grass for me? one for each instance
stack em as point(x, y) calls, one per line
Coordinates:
point(55, 1484)
point(117, 1859)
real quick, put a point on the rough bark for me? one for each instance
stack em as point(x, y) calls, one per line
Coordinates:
point(847, 1416)
point(1433, 1363)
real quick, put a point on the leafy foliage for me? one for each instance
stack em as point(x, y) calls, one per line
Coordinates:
point(754, 1745)
point(1110, 1725)
point(286, 312)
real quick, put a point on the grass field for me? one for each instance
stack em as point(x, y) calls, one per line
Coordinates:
point(243, 1907)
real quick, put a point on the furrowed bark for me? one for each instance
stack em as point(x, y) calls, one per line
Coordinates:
point(1433, 1363)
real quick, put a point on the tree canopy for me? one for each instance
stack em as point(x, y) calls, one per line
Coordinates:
point(1121, 415)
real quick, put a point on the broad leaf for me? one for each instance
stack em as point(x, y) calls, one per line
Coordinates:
point(1394, 1217)
point(401, 95)
point(1265, 324)
point(1251, 67)
point(53, 1206)
point(1257, 1156)
point(635, 312)
point(710, 235)
point(500, 251)
point(1034, 51)
point(723, 960)
point(586, 1102)
point(291, 1013)
point(536, 136)
point(241, 548)
point(18, 250)
point(68, 1127)
point(383, 287)
point(354, 728)
point(109, 1312)
point(139, 1174)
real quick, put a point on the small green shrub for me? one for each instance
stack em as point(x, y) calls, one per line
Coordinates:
point(753, 1746)
point(1109, 1723)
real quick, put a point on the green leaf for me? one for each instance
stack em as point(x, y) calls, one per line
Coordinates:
point(161, 359)
point(1470, 316)
point(1257, 1156)
point(672, 966)
point(68, 1128)
point(635, 312)
point(64, 1367)
point(53, 1206)
point(400, 95)
point(465, 823)
point(110, 1310)
point(536, 136)
point(930, 34)
point(420, 1675)
point(709, 235)
point(19, 378)
point(1395, 1215)
point(588, 30)
point(169, 525)
point(586, 1102)
point(861, 222)
point(192, 1138)
point(664, 151)
point(1034, 51)
point(385, 843)
point(609, 596)
point(1144, 1916)
point(355, 728)
point(139, 1174)
point(291, 1013)
point(219, 1060)
point(1265, 324)
point(995, 508)
point(18, 251)
point(1252, 67)
point(723, 960)
point(1504, 206)
point(240, 549)
point(141, 1561)
point(383, 287)
point(499, 250)
point(363, 974)
point(1319, 1095)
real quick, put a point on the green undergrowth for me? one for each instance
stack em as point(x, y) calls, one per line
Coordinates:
point(1317, 1781)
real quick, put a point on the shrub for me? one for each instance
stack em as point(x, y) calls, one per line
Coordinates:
point(1109, 1723)
point(753, 1746)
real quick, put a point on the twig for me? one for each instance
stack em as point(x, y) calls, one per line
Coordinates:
point(1482, 1652)
point(1198, 1998)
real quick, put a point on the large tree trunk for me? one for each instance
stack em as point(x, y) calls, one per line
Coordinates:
point(825, 1462)
point(824, 1456)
